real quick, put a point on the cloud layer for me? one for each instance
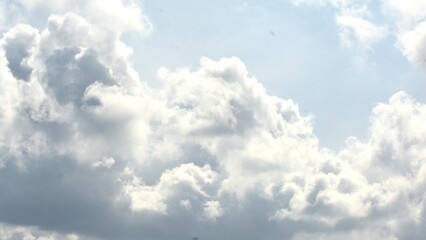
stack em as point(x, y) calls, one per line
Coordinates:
point(89, 151)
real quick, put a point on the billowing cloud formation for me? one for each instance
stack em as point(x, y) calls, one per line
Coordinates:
point(88, 151)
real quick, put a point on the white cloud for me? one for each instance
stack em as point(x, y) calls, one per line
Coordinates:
point(30, 233)
point(334, 3)
point(9, 14)
point(354, 235)
point(361, 25)
point(409, 20)
point(87, 148)
point(357, 28)
point(359, 31)
point(408, 11)
point(114, 15)
point(187, 180)
point(105, 163)
point(212, 210)
point(412, 44)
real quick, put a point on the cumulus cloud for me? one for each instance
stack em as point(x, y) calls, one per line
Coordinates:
point(89, 151)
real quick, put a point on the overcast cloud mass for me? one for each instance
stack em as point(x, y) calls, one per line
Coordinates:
point(88, 150)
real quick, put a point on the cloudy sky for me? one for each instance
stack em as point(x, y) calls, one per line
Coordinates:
point(227, 119)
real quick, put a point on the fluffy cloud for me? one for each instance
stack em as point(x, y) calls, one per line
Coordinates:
point(89, 151)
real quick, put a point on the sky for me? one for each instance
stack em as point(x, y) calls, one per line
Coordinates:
point(227, 119)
